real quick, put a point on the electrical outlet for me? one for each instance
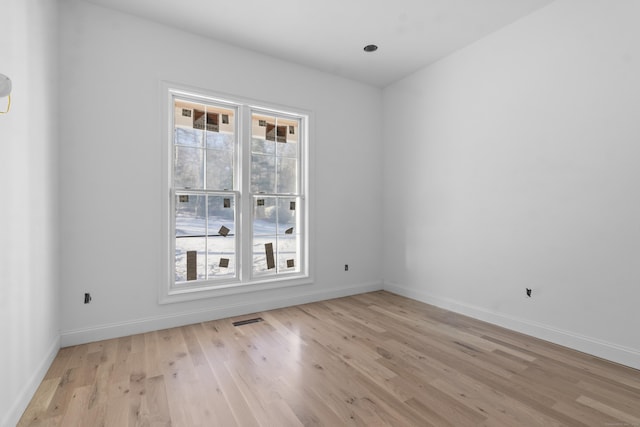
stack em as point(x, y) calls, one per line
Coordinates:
point(346, 267)
point(87, 298)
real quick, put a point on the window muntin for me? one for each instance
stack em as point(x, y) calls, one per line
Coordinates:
point(238, 205)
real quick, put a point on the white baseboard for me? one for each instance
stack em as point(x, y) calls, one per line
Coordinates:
point(24, 396)
point(606, 350)
point(138, 326)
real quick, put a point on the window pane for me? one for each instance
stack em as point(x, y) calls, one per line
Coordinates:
point(263, 127)
point(220, 141)
point(287, 175)
point(262, 146)
point(264, 216)
point(288, 254)
point(263, 174)
point(290, 149)
point(190, 215)
point(188, 167)
point(261, 256)
point(221, 257)
point(205, 120)
point(219, 170)
point(183, 246)
point(293, 131)
point(287, 215)
point(190, 236)
point(221, 213)
point(189, 137)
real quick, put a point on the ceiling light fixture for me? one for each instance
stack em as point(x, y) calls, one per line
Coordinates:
point(370, 48)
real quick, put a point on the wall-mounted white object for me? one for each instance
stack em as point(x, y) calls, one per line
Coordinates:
point(5, 91)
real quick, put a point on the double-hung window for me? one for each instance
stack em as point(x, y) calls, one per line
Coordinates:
point(237, 196)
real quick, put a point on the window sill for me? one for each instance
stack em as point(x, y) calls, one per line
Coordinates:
point(199, 293)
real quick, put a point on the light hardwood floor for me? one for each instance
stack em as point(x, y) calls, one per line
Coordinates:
point(366, 360)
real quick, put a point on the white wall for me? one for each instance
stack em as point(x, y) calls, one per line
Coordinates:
point(28, 210)
point(111, 68)
point(515, 163)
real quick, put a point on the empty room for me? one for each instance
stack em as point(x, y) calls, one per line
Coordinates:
point(286, 213)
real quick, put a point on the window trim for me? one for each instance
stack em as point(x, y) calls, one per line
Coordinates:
point(244, 282)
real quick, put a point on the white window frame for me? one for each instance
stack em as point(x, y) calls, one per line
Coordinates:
point(246, 281)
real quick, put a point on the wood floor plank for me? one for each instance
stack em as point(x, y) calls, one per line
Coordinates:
point(137, 415)
point(59, 364)
point(608, 410)
point(35, 413)
point(177, 373)
point(613, 396)
point(117, 410)
point(76, 408)
point(365, 360)
point(221, 412)
point(157, 403)
point(585, 415)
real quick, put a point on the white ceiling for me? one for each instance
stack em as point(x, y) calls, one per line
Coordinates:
point(330, 34)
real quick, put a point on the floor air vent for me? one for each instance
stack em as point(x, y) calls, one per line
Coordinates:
point(248, 321)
